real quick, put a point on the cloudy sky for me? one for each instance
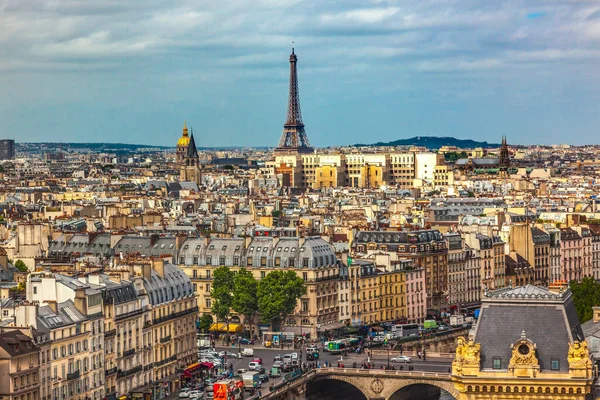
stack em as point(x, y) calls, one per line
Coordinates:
point(133, 71)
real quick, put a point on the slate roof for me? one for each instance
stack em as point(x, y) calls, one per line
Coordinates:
point(506, 313)
point(16, 344)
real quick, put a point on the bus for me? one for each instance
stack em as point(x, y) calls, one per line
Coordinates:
point(404, 330)
point(203, 340)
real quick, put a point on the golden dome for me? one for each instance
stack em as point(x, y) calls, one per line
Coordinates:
point(184, 140)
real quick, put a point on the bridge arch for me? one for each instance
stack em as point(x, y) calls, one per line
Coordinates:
point(418, 390)
point(382, 386)
point(313, 388)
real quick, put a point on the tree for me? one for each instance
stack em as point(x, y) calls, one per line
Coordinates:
point(20, 265)
point(245, 300)
point(586, 294)
point(222, 294)
point(278, 294)
point(206, 320)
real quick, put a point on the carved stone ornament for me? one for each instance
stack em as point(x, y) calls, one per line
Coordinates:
point(579, 355)
point(377, 386)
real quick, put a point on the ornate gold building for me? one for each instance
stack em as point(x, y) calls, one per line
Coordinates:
point(188, 159)
point(528, 344)
point(182, 144)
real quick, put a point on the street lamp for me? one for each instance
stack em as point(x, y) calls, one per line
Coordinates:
point(389, 346)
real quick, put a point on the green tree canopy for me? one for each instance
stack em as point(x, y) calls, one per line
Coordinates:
point(586, 294)
point(222, 292)
point(20, 265)
point(278, 294)
point(206, 320)
point(245, 301)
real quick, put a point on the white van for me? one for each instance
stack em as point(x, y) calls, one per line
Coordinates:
point(248, 352)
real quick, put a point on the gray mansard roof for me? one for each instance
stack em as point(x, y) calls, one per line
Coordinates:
point(147, 246)
point(548, 319)
point(174, 285)
point(198, 251)
point(67, 315)
point(312, 252)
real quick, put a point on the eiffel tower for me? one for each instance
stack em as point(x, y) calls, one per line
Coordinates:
point(293, 139)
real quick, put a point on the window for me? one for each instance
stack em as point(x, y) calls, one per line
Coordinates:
point(291, 262)
point(249, 261)
point(181, 260)
point(305, 306)
point(262, 274)
point(305, 262)
point(277, 261)
point(208, 303)
point(208, 260)
point(208, 273)
point(496, 363)
point(35, 290)
point(208, 287)
point(195, 260)
point(236, 260)
point(195, 273)
point(263, 261)
point(222, 260)
point(305, 276)
point(555, 365)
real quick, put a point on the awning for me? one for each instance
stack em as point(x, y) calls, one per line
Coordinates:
point(206, 365)
point(222, 327)
point(192, 367)
point(377, 329)
point(296, 330)
point(330, 327)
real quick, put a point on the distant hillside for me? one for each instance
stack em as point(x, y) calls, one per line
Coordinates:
point(92, 146)
point(434, 142)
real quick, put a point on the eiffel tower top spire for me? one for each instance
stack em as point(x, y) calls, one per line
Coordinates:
point(294, 115)
point(293, 139)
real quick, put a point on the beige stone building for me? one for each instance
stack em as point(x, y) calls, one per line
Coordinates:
point(19, 367)
point(311, 258)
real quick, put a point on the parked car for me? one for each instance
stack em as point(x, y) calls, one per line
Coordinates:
point(312, 349)
point(184, 393)
point(294, 356)
point(228, 354)
point(400, 359)
point(263, 378)
point(278, 364)
point(253, 366)
point(258, 360)
point(241, 371)
point(247, 352)
point(196, 394)
point(244, 341)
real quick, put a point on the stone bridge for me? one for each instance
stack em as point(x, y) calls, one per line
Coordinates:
point(374, 384)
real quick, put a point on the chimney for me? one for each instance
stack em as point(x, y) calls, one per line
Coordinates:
point(158, 265)
point(596, 317)
point(558, 286)
point(147, 271)
point(80, 301)
point(179, 239)
point(53, 306)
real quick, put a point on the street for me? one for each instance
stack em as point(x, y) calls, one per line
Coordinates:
point(431, 365)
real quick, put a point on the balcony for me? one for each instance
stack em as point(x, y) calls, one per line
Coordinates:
point(134, 370)
point(193, 310)
point(165, 361)
point(111, 371)
point(165, 339)
point(128, 315)
point(73, 375)
point(128, 353)
point(147, 324)
point(110, 333)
